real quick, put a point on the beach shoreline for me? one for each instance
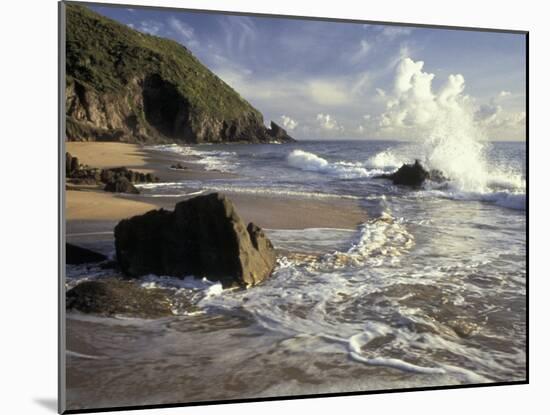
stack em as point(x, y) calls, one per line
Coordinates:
point(91, 203)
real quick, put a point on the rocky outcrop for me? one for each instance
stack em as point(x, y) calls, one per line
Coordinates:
point(203, 237)
point(76, 255)
point(279, 134)
point(413, 175)
point(124, 85)
point(121, 185)
point(112, 297)
point(117, 179)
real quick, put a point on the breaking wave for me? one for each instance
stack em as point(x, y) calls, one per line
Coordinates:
point(307, 161)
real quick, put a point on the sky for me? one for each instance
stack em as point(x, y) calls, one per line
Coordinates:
point(335, 80)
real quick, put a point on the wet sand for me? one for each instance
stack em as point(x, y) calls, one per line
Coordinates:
point(112, 362)
point(100, 205)
point(126, 362)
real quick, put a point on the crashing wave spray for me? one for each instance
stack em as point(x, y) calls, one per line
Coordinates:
point(444, 124)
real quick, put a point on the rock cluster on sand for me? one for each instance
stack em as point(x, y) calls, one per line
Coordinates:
point(111, 297)
point(116, 179)
point(413, 175)
point(203, 237)
point(76, 255)
point(121, 185)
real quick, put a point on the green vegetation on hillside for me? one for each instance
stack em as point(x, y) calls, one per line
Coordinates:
point(105, 55)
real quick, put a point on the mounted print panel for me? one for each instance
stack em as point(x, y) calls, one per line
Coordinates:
point(270, 207)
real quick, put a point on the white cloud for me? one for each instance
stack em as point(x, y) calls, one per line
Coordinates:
point(327, 93)
point(361, 52)
point(181, 28)
point(239, 32)
point(494, 117)
point(392, 32)
point(328, 123)
point(415, 106)
point(288, 122)
point(150, 27)
point(415, 110)
point(499, 122)
point(360, 85)
point(183, 32)
point(487, 113)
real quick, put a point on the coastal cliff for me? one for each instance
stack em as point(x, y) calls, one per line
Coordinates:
point(127, 86)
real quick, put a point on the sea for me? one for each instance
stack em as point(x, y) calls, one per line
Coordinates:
point(429, 291)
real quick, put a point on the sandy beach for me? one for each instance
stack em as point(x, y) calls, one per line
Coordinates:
point(89, 203)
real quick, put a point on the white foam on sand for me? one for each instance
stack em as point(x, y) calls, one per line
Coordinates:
point(182, 189)
point(224, 161)
point(191, 283)
point(83, 356)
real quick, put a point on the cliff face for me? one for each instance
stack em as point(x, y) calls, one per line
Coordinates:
point(123, 85)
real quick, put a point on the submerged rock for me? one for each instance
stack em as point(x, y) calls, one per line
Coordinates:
point(115, 297)
point(121, 185)
point(76, 255)
point(413, 175)
point(203, 237)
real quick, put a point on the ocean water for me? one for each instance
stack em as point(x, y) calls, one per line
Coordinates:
point(430, 290)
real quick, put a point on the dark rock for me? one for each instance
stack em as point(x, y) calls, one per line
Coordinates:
point(75, 165)
point(72, 164)
point(413, 175)
point(109, 265)
point(178, 166)
point(278, 133)
point(113, 177)
point(107, 175)
point(121, 185)
point(68, 159)
point(76, 255)
point(410, 174)
point(115, 297)
point(203, 237)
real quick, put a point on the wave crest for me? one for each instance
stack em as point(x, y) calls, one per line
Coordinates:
point(307, 161)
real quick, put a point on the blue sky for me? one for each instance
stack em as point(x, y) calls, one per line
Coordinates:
point(340, 80)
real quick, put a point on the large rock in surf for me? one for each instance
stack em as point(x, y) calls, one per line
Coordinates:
point(203, 237)
point(115, 297)
point(76, 255)
point(413, 175)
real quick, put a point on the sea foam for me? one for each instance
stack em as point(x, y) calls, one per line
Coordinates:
point(307, 161)
point(225, 161)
